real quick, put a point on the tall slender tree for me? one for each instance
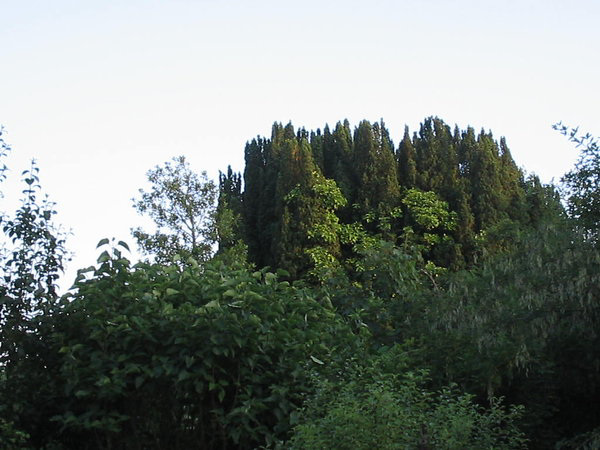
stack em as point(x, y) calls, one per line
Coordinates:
point(407, 165)
point(182, 204)
point(229, 224)
point(374, 162)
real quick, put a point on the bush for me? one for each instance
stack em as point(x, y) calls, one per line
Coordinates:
point(373, 407)
point(203, 357)
point(10, 437)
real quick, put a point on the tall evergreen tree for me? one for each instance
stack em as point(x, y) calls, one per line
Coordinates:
point(316, 144)
point(337, 157)
point(407, 164)
point(374, 162)
point(254, 180)
point(486, 185)
point(436, 158)
point(229, 210)
point(512, 181)
point(297, 173)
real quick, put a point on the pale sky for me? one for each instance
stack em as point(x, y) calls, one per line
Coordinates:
point(101, 91)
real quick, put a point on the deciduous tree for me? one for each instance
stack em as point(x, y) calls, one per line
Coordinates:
point(182, 204)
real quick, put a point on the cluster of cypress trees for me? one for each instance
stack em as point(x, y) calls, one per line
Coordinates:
point(472, 175)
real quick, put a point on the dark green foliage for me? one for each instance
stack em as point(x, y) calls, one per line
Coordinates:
point(437, 165)
point(382, 295)
point(337, 158)
point(11, 438)
point(475, 175)
point(410, 290)
point(407, 164)
point(373, 160)
point(383, 404)
point(584, 441)
point(260, 201)
point(310, 225)
point(162, 357)
point(525, 325)
point(317, 141)
point(32, 259)
point(428, 222)
point(228, 222)
point(255, 191)
point(295, 207)
point(543, 201)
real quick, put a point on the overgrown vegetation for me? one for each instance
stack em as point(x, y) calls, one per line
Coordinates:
point(362, 295)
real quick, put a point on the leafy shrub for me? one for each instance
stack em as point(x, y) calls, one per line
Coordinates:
point(202, 357)
point(374, 407)
point(10, 437)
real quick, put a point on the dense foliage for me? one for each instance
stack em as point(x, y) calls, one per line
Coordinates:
point(348, 294)
point(161, 357)
point(383, 404)
point(470, 181)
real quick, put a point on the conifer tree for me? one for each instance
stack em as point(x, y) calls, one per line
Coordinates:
point(337, 158)
point(512, 185)
point(254, 173)
point(466, 144)
point(316, 145)
point(436, 158)
point(407, 165)
point(374, 162)
point(229, 210)
point(297, 173)
point(386, 166)
point(486, 185)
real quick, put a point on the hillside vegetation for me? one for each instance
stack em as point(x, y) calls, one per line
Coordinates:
point(343, 292)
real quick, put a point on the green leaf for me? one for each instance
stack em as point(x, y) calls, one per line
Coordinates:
point(183, 375)
point(318, 361)
point(212, 304)
point(254, 295)
point(283, 273)
point(270, 278)
point(237, 304)
point(103, 381)
point(102, 242)
point(104, 257)
point(124, 245)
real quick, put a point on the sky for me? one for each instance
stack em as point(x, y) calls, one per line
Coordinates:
point(99, 92)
